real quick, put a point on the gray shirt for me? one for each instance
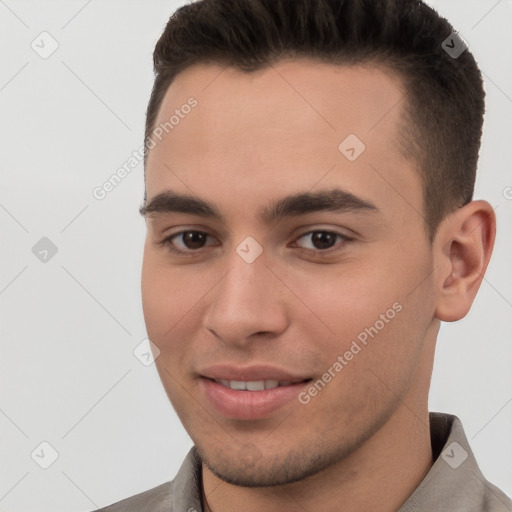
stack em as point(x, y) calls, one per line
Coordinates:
point(453, 484)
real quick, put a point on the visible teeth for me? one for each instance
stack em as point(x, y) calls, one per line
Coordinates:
point(253, 385)
point(237, 384)
point(271, 384)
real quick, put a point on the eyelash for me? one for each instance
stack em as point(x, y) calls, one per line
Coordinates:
point(167, 242)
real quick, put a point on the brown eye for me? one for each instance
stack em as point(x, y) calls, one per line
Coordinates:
point(193, 239)
point(186, 242)
point(321, 240)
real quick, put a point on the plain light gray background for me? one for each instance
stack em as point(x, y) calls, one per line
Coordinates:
point(69, 327)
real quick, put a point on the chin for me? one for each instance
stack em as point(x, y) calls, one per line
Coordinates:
point(270, 471)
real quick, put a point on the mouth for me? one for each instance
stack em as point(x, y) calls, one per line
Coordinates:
point(250, 399)
point(256, 385)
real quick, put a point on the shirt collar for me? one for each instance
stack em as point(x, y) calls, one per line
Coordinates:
point(454, 481)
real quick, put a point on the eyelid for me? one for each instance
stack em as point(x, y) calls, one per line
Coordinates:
point(328, 228)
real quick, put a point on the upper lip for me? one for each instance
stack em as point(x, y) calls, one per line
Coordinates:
point(249, 373)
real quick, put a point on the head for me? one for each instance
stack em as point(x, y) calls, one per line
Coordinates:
point(441, 94)
point(324, 185)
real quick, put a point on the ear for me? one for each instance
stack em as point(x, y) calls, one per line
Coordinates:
point(462, 248)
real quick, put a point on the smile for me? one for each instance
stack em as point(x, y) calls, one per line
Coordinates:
point(252, 385)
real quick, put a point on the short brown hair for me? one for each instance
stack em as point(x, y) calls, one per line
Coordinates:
point(445, 96)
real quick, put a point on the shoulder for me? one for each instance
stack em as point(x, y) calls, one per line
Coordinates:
point(158, 499)
point(466, 488)
point(494, 499)
point(180, 493)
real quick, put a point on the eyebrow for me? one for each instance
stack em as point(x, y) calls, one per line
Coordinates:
point(332, 200)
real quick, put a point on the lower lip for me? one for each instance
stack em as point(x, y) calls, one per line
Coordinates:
point(248, 405)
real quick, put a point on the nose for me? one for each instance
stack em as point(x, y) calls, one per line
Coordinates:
point(248, 303)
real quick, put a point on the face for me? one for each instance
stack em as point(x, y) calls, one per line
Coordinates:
point(297, 259)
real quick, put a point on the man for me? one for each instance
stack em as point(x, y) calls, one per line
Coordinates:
point(309, 179)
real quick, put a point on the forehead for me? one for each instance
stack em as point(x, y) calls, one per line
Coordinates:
point(306, 95)
point(281, 126)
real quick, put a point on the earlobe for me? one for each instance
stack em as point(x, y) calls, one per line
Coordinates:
point(465, 241)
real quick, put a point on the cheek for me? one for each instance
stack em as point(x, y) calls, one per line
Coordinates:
point(364, 313)
point(167, 295)
point(168, 310)
point(173, 303)
point(156, 298)
point(345, 299)
point(374, 363)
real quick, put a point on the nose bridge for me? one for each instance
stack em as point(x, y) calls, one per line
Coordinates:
point(247, 300)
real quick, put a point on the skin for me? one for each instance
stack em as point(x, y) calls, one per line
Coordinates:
point(363, 442)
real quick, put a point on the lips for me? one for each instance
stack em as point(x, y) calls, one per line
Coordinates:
point(252, 373)
point(249, 393)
